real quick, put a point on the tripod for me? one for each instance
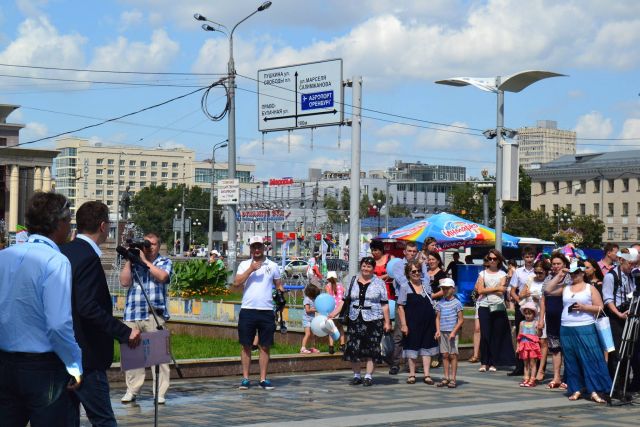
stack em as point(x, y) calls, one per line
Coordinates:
point(626, 353)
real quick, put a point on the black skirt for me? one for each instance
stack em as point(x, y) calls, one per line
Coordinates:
point(364, 340)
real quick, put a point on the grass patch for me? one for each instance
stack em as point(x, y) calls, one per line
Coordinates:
point(192, 347)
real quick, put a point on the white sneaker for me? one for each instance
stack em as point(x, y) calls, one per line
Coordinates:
point(161, 401)
point(128, 397)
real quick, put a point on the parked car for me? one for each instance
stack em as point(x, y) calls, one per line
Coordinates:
point(296, 268)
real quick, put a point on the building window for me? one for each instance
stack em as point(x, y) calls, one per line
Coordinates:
point(165, 165)
point(596, 209)
point(143, 174)
point(99, 171)
point(109, 192)
point(569, 185)
point(638, 233)
point(625, 209)
point(174, 175)
point(569, 208)
point(625, 185)
point(109, 182)
point(143, 184)
point(121, 172)
point(583, 209)
point(556, 209)
point(98, 192)
point(154, 164)
point(99, 161)
point(110, 162)
point(109, 202)
point(121, 162)
point(543, 187)
point(596, 185)
point(174, 185)
point(583, 186)
point(625, 233)
point(543, 208)
point(154, 174)
point(132, 184)
point(203, 175)
point(611, 185)
point(132, 173)
point(132, 163)
point(110, 172)
point(174, 165)
point(143, 163)
point(610, 233)
point(556, 187)
point(609, 209)
point(637, 208)
point(98, 182)
point(165, 175)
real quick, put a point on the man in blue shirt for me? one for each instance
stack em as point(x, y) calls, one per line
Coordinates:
point(137, 313)
point(39, 356)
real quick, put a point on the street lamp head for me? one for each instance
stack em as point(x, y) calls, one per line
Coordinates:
point(223, 145)
point(490, 133)
point(208, 27)
point(264, 6)
point(199, 17)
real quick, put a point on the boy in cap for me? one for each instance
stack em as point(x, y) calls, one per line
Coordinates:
point(449, 321)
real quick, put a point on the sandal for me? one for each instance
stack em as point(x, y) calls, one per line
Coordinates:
point(411, 379)
point(532, 383)
point(482, 369)
point(473, 360)
point(563, 386)
point(304, 351)
point(575, 396)
point(492, 369)
point(427, 380)
point(524, 382)
point(314, 350)
point(452, 384)
point(443, 383)
point(552, 385)
point(596, 398)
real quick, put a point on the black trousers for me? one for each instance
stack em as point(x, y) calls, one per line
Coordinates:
point(519, 317)
point(617, 328)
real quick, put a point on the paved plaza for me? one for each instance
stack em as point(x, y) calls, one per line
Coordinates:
point(326, 399)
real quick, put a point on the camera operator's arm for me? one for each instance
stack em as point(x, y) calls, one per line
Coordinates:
point(125, 275)
point(158, 274)
point(608, 297)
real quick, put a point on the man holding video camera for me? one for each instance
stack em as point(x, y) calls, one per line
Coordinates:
point(137, 313)
point(617, 287)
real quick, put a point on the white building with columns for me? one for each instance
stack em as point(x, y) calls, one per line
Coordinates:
point(22, 171)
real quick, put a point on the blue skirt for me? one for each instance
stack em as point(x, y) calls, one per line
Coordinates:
point(584, 364)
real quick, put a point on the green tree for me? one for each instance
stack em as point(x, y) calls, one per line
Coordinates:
point(527, 223)
point(591, 228)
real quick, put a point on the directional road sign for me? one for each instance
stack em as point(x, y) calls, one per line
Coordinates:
point(300, 96)
point(228, 191)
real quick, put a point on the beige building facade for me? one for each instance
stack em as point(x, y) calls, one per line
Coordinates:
point(606, 185)
point(544, 143)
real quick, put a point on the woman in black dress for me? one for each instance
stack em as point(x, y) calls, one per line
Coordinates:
point(417, 322)
point(368, 319)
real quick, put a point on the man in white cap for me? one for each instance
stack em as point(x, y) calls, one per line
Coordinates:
point(257, 276)
point(214, 258)
point(617, 286)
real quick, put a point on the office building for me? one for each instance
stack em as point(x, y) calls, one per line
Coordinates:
point(544, 143)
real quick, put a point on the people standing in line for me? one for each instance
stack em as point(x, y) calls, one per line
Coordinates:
point(369, 318)
point(137, 313)
point(585, 368)
point(610, 257)
point(436, 274)
point(449, 320)
point(452, 267)
point(496, 348)
point(417, 319)
point(310, 294)
point(40, 359)
point(429, 245)
point(551, 314)
point(400, 281)
point(593, 274)
point(518, 290)
point(336, 290)
point(528, 343)
point(382, 259)
point(93, 322)
point(257, 276)
point(535, 290)
point(617, 286)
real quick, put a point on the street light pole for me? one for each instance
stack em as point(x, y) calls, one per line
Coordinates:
point(217, 146)
point(231, 88)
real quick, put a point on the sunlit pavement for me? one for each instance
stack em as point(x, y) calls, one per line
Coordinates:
point(327, 399)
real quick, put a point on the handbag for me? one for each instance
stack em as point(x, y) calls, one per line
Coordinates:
point(346, 306)
point(603, 327)
point(500, 306)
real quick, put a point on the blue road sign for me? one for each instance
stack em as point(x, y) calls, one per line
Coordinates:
point(316, 100)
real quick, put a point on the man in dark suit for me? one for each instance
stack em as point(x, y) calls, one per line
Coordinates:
point(93, 322)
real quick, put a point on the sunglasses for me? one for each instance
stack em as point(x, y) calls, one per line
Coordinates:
point(414, 271)
point(492, 258)
point(539, 272)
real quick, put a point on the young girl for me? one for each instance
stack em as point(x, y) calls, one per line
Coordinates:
point(336, 290)
point(529, 344)
point(310, 294)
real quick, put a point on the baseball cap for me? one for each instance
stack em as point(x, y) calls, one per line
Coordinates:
point(214, 252)
point(332, 275)
point(631, 256)
point(255, 240)
point(447, 283)
point(575, 266)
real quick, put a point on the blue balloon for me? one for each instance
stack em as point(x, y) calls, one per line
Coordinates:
point(325, 304)
point(392, 309)
point(392, 267)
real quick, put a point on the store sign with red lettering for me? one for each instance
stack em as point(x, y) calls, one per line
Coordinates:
point(281, 181)
point(263, 215)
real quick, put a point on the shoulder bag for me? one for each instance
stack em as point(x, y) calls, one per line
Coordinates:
point(346, 306)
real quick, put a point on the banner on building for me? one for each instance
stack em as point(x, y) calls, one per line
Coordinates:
point(263, 215)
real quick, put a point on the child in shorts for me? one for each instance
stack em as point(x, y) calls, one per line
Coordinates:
point(310, 294)
point(449, 321)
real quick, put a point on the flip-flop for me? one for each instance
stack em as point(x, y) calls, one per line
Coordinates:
point(304, 351)
point(452, 384)
point(553, 385)
point(314, 350)
point(482, 369)
point(563, 386)
point(443, 383)
point(596, 398)
point(411, 379)
point(427, 380)
point(575, 396)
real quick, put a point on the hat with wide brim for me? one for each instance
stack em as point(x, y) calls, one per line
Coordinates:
point(529, 305)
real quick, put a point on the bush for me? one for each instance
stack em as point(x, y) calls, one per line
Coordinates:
point(198, 278)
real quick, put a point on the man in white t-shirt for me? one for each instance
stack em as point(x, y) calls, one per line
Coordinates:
point(257, 276)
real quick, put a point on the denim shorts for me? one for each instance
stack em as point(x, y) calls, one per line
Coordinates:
point(262, 322)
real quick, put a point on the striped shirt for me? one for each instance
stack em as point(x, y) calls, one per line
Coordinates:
point(136, 307)
point(448, 309)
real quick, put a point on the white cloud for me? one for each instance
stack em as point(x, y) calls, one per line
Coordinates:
point(130, 18)
point(31, 7)
point(123, 54)
point(593, 125)
point(441, 140)
point(631, 128)
point(391, 146)
point(35, 130)
point(396, 130)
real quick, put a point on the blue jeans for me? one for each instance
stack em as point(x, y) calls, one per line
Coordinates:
point(94, 396)
point(33, 389)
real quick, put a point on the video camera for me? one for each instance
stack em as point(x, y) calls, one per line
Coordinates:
point(135, 246)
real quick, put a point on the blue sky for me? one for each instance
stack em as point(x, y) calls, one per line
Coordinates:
point(399, 47)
